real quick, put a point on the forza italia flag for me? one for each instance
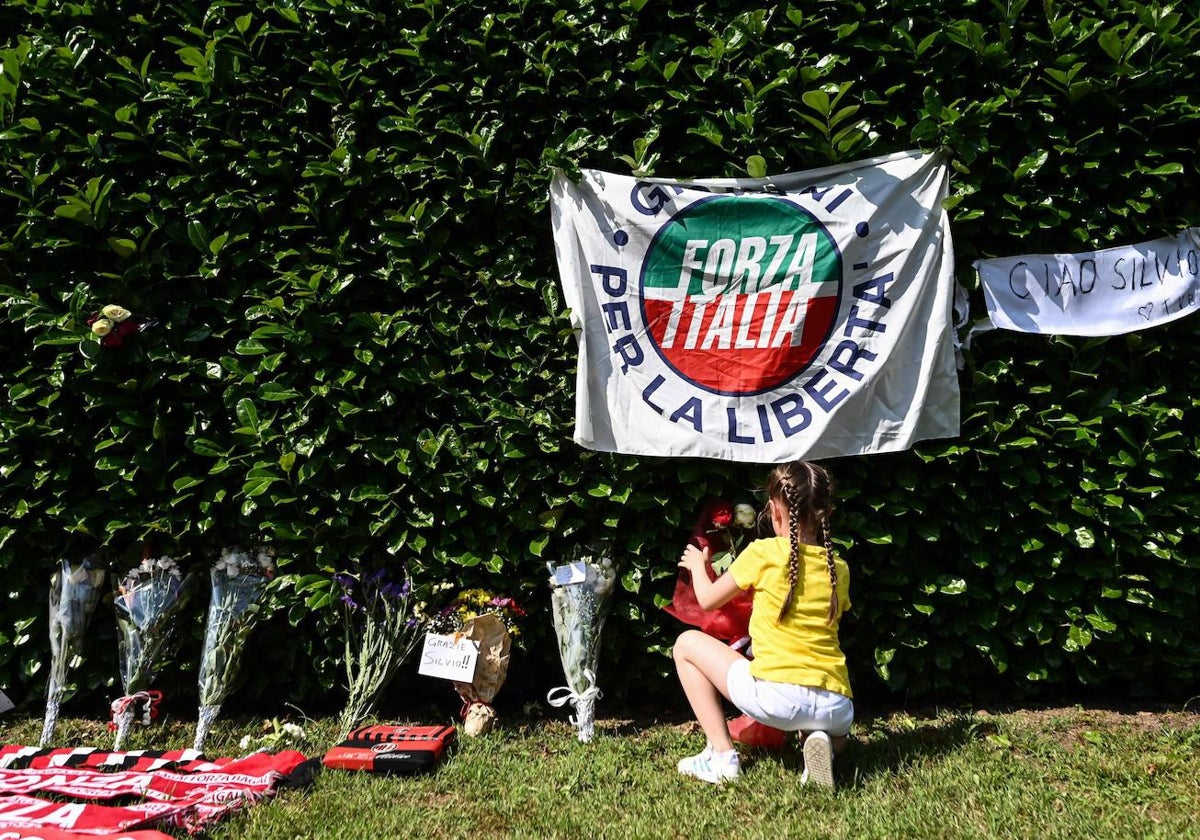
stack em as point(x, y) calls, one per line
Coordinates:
point(806, 315)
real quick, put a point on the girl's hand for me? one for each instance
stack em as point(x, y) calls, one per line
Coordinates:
point(694, 559)
point(709, 594)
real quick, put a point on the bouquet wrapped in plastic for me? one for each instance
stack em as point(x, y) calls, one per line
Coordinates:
point(721, 528)
point(239, 580)
point(74, 591)
point(580, 595)
point(491, 621)
point(381, 630)
point(718, 529)
point(148, 600)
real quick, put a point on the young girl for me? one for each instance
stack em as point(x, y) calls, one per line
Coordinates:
point(797, 680)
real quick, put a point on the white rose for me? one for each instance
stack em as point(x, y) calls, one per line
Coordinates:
point(102, 326)
point(744, 515)
point(293, 731)
point(244, 743)
point(115, 313)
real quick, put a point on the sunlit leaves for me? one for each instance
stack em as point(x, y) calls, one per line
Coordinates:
point(338, 214)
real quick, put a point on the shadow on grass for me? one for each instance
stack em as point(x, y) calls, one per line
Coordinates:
point(889, 746)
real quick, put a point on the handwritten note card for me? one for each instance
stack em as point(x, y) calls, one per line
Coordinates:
point(449, 658)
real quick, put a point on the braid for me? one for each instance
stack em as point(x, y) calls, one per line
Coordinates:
point(806, 490)
point(790, 495)
point(827, 538)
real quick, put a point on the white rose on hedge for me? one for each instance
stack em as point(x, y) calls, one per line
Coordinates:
point(744, 515)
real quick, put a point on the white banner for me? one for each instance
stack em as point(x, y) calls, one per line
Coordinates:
point(799, 315)
point(1109, 292)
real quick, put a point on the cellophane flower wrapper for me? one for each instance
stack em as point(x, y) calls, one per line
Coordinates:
point(718, 528)
point(239, 581)
point(147, 603)
point(74, 592)
point(579, 610)
point(721, 528)
point(381, 632)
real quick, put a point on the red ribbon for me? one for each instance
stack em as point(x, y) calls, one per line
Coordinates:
point(150, 698)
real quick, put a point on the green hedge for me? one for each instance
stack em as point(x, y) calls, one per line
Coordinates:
point(336, 210)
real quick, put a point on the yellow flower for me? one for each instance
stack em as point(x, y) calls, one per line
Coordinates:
point(102, 326)
point(115, 313)
point(474, 597)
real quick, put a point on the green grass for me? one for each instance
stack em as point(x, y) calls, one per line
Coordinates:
point(1064, 773)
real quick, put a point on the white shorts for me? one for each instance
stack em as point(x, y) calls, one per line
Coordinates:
point(786, 706)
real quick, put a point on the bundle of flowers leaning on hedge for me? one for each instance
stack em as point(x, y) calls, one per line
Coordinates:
point(239, 581)
point(580, 596)
point(492, 622)
point(74, 591)
point(148, 599)
point(381, 629)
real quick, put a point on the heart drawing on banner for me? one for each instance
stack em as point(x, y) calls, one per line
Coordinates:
point(1145, 311)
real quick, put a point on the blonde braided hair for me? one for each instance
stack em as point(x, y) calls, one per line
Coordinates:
point(806, 491)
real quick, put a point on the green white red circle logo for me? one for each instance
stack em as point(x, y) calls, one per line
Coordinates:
point(739, 294)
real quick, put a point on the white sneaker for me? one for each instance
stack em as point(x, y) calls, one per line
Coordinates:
point(712, 767)
point(818, 760)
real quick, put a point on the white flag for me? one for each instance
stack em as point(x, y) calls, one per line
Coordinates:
point(800, 315)
point(1109, 292)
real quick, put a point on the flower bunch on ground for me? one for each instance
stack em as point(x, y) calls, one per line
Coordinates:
point(74, 592)
point(381, 630)
point(579, 609)
point(275, 736)
point(239, 561)
point(149, 598)
point(239, 580)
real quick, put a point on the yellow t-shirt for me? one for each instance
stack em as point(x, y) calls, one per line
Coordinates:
point(801, 649)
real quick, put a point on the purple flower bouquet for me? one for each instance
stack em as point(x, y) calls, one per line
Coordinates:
point(381, 631)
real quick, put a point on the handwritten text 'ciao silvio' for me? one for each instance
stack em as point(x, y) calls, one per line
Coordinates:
point(1141, 276)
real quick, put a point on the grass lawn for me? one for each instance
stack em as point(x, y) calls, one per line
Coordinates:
point(1048, 773)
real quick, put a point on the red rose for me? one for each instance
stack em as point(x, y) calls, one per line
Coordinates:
point(722, 515)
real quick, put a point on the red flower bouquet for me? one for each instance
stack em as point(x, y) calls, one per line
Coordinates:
point(715, 530)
